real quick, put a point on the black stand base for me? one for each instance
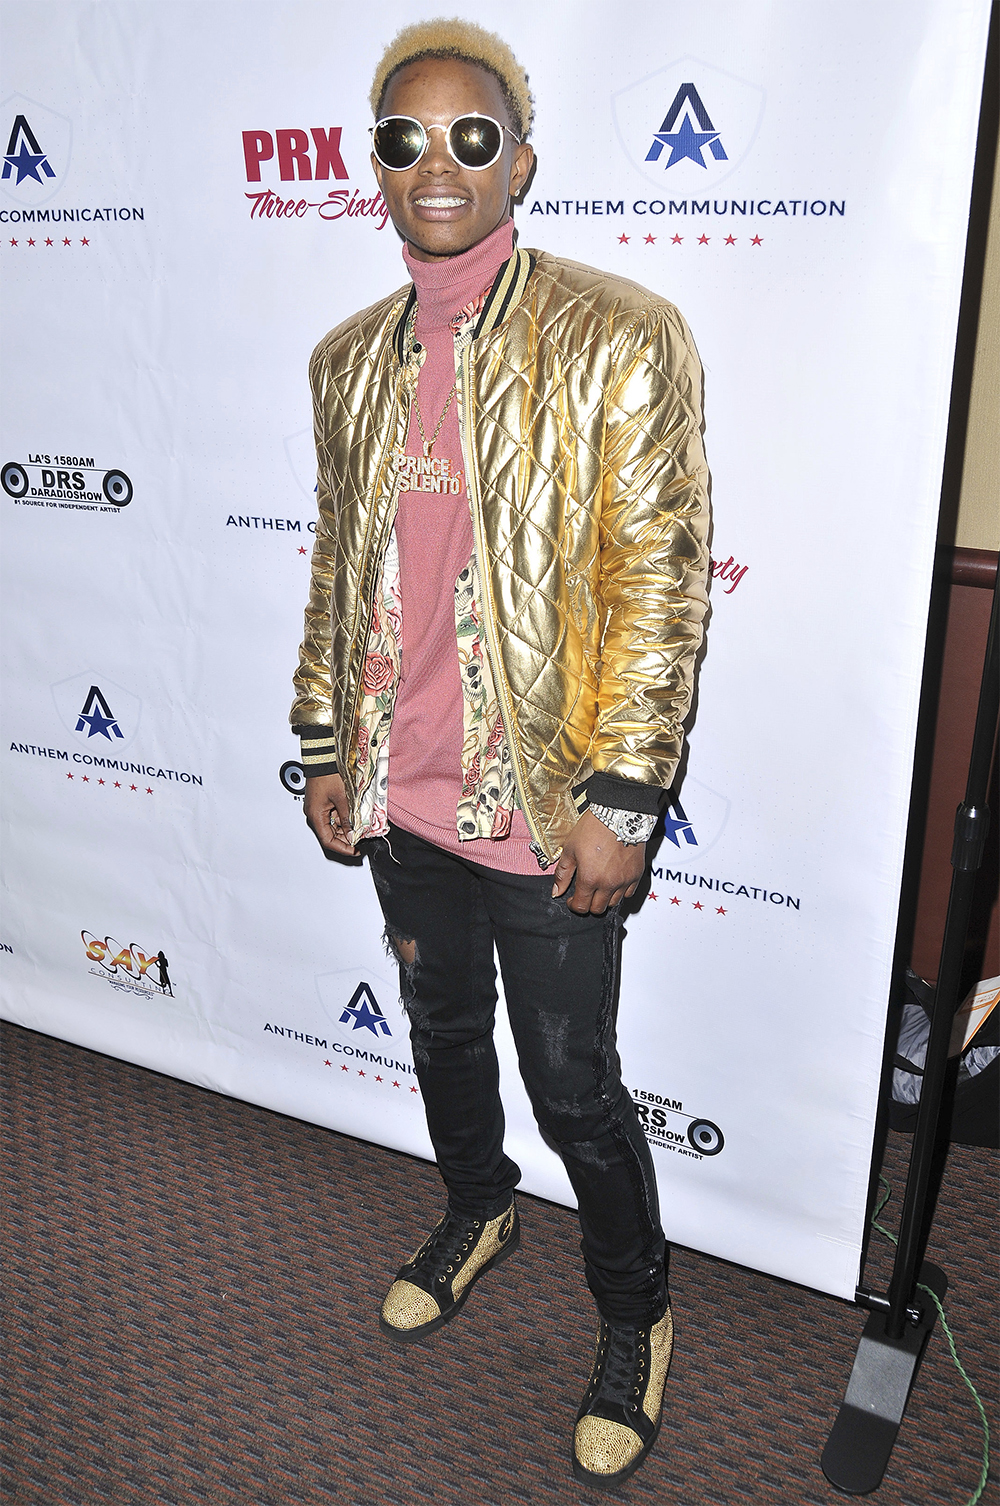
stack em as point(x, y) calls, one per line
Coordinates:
point(864, 1433)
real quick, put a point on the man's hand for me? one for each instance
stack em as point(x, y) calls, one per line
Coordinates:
point(607, 871)
point(325, 805)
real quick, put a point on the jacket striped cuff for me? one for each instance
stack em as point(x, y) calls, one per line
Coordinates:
point(318, 751)
point(619, 794)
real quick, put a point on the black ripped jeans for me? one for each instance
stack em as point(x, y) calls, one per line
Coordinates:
point(560, 974)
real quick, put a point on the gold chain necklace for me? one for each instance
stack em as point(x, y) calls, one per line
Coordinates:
point(429, 443)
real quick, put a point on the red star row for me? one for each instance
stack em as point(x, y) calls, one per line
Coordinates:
point(86, 779)
point(376, 1078)
point(49, 242)
point(678, 240)
point(696, 904)
point(302, 550)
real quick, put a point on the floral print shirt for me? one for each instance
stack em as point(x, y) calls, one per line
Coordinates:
point(487, 795)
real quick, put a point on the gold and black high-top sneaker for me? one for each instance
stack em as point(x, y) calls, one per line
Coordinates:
point(622, 1406)
point(432, 1286)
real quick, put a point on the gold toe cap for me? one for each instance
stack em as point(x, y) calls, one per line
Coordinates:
point(406, 1306)
point(604, 1447)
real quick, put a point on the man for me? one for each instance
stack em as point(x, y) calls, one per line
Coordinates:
point(508, 585)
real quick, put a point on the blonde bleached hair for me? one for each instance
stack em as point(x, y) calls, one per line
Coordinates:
point(468, 43)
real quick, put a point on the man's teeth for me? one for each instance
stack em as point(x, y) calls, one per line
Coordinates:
point(433, 201)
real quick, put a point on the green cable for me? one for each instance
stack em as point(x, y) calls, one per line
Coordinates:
point(951, 1345)
point(975, 1394)
point(878, 1209)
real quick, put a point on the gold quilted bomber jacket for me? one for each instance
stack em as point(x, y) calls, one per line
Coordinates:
point(581, 433)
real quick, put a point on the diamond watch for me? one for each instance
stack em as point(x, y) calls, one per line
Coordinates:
point(630, 827)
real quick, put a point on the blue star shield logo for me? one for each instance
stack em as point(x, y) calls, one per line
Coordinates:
point(97, 710)
point(363, 1010)
point(97, 716)
point(38, 143)
point(676, 825)
point(24, 155)
point(686, 141)
point(691, 829)
point(687, 127)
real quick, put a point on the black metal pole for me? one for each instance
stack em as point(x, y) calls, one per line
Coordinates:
point(971, 826)
point(896, 1332)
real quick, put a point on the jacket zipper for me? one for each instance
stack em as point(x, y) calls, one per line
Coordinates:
point(499, 679)
point(383, 544)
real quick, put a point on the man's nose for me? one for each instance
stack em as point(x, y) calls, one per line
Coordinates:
point(437, 159)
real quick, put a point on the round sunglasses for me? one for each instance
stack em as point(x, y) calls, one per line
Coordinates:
point(473, 141)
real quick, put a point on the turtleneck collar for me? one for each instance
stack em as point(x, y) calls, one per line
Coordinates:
point(444, 287)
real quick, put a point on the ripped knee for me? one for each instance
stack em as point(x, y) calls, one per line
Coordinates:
point(404, 951)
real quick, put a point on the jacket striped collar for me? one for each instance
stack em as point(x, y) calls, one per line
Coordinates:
point(507, 290)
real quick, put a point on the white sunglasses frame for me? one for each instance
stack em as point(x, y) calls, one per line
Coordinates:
point(466, 115)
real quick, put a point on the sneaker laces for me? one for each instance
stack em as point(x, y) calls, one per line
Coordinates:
point(447, 1246)
point(625, 1350)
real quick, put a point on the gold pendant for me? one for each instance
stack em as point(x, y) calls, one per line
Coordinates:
point(426, 473)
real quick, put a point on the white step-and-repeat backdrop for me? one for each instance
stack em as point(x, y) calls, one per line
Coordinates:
point(186, 206)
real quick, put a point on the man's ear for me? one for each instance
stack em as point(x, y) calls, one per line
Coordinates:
point(377, 169)
point(520, 171)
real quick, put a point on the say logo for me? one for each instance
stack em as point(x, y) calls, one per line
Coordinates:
point(131, 969)
point(97, 710)
point(688, 125)
point(37, 144)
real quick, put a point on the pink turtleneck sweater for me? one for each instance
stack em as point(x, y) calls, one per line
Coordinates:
point(435, 539)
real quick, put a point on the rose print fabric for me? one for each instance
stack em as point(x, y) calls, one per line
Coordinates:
point(486, 790)
point(379, 681)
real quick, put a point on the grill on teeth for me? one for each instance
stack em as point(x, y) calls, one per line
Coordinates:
point(437, 203)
